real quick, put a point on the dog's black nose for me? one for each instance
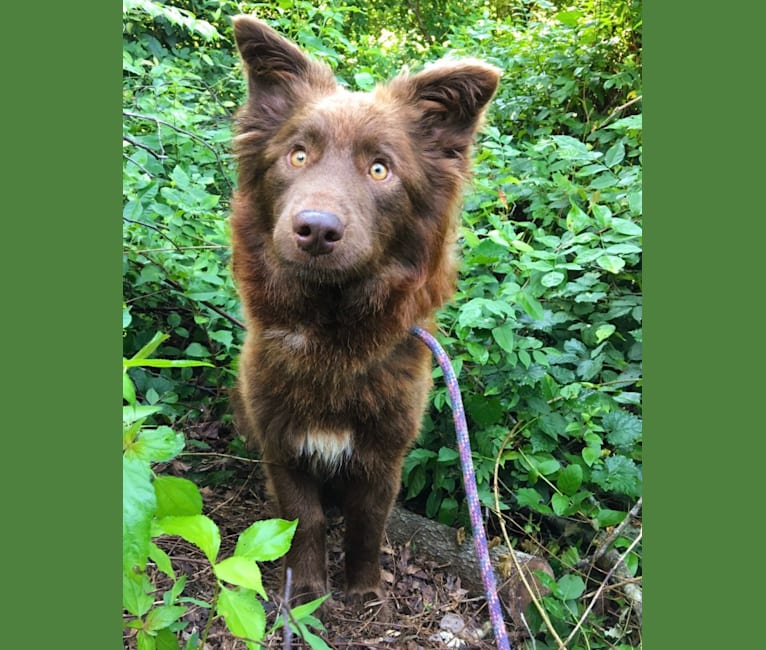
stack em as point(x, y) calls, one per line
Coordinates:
point(317, 232)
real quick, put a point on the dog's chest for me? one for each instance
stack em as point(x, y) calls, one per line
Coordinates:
point(325, 451)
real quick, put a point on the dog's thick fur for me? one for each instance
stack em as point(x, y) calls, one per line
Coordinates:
point(343, 232)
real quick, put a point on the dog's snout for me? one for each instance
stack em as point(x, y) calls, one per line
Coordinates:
point(317, 232)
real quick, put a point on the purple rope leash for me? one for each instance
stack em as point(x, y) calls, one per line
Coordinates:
point(469, 480)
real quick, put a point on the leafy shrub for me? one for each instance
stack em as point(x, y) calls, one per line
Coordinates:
point(177, 182)
point(154, 506)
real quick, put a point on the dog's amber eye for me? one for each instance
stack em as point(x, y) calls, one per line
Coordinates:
point(378, 171)
point(298, 157)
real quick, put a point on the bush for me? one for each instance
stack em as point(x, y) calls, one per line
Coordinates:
point(154, 506)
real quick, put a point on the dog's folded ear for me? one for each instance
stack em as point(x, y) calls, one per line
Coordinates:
point(451, 96)
point(276, 69)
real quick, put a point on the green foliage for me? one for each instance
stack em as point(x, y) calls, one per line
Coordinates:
point(177, 183)
point(545, 331)
point(155, 506)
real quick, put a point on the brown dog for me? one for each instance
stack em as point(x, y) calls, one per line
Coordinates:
point(343, 233)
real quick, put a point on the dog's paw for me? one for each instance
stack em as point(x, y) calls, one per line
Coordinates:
point(369, 604)
point(302, 594)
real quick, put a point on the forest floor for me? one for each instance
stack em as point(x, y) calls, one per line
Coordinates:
point(427, 603)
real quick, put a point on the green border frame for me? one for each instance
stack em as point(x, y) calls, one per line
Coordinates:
point(704, 229)
point(703, 280)
point(61, 324)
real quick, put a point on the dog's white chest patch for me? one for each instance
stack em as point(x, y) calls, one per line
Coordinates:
point(326, 450)
point(292, 340)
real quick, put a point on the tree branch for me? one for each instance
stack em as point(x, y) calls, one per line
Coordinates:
point(194, 136)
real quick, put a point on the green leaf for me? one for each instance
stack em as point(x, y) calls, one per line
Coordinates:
point(448, 455)
point(631, 562)
point(168, 363)
point(587, 369)
point(577, 220)
point(618, 474)
point(138, 506)
point(177, 496)
point(559, 503)
point(224, 337)
point(135, 412)
point(615, 154)
point(162, 560)
point(180, 178)
point(611, 263)
point(552, 279)
point(530, 305)
point(315, 642)
point(590, 455)
point(623, 429)
point(521, 246)
point(243, 613)
point(569, 18)
point(626, 227)
point(602, 214)
point(166, 640)
point(570, 587)
point(570, 479)
point(136, 593)
point(197, 350)
point(162, 616)
point(479, 352)
point(172, 594)
point(196, 529)
point(266, 540)
point(604, 331)
point(145, 641)
point(128, 390)
point(503, 336)
point(630, 122)
point(303, 614)
point(242, 572)
point(150, 347)
point(547, 466)
point(607, 517)
point(364, 81)
point(156, 445)
point(528, 497)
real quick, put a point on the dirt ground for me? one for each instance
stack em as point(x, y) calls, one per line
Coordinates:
point(430, 609)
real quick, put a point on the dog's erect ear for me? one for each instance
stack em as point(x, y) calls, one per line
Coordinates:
point(277, 70)
point(451, 96)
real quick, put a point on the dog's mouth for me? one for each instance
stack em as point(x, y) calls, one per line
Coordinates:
point(323, 270)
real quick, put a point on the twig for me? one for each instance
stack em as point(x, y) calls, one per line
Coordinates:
point(189, 134)
point(617, 110)
point(217, 454)
point(285, 607)
point(207, 304)
point(415, 9)
point(609, 539)
point(142, 251)
point(139, 165)
point(606, 579)
point(213, 607)
point(527, 586)
point(175, 285)
point(152, 227)
point(136, 143)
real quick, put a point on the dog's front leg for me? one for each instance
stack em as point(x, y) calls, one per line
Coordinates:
point(367, 502)
point(299, 497)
